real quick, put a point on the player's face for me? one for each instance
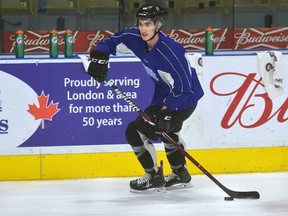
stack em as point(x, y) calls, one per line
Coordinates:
point(147, 29)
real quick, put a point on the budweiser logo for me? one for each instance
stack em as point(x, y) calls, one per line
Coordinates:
point(255, 38)
point(196, 40)
point(242, 101)
point(186, 38)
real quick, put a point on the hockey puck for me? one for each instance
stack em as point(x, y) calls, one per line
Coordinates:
point(228, 198)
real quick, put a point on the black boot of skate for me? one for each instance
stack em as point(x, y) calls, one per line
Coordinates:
point(150, 183)
point(178, 179)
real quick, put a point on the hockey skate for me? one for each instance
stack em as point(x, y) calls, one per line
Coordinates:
point(149, 183)
point(178, 180)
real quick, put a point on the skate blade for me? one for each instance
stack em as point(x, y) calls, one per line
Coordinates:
point(149, 191)
point(180, 186)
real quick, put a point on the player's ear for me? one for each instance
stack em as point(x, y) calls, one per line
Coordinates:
point(158, 25)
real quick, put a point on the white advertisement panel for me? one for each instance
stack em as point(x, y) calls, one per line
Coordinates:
point(237, 111)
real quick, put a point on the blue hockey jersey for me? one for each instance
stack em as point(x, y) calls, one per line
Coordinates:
point(176, 82)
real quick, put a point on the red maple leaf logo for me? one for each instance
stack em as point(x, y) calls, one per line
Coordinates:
point(43, 111)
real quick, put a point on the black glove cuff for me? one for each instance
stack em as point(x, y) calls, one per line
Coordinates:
point(164, 115)
point(97, 54)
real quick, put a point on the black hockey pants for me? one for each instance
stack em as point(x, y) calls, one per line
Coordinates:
point(175, 158)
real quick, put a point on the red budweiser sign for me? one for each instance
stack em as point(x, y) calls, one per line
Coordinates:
point(225, 39)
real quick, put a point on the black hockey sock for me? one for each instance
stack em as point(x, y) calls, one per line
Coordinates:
point(176, 158)
point(145, 160)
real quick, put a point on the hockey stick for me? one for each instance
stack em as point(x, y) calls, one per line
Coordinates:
point(231, 193)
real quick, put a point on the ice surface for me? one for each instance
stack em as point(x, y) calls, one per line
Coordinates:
point(111, 196)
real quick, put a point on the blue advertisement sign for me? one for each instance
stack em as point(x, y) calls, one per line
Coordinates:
point(57, 103)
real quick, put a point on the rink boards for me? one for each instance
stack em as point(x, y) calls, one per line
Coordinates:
point(57, 123)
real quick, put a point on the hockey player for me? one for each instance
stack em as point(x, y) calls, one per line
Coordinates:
point(177, 91)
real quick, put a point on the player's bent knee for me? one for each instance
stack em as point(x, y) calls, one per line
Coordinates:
point(132, 136)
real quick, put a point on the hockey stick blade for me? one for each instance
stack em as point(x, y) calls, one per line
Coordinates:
point(243, 194)
point(231, 193)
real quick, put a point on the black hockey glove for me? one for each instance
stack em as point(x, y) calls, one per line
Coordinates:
point(98, 67)
point(162, 121)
